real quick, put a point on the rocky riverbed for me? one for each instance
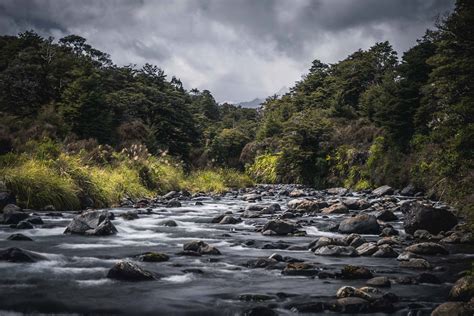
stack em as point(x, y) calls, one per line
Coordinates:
point(268, 250)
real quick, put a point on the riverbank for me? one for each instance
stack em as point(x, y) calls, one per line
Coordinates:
point(270, 249)
point(103, 178)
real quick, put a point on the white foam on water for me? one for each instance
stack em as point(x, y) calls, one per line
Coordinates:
point(314, 231)
point(89, 283)
point(85, 246)
point(184, 278)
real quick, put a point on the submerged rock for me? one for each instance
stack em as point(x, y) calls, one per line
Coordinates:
point(20, 255)
point(19, 237)
point(379, 282)
point(416, 263)
point(153, 257)
point(96, 223)
point(128, 271)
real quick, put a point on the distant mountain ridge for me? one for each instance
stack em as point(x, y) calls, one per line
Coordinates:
point(255, 103)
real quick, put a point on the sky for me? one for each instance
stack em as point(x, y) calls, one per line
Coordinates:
point(237, 49)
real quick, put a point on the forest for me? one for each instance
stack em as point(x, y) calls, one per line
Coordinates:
point(77, 130)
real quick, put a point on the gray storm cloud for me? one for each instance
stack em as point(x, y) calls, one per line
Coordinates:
point(237, 49)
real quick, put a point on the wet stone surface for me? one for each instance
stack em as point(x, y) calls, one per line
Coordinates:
point(302, 262)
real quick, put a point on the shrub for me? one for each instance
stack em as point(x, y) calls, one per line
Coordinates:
point(264, 168)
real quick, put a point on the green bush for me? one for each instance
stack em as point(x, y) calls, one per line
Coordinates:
point(264, 168)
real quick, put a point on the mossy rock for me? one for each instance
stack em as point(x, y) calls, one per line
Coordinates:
point(153, 257)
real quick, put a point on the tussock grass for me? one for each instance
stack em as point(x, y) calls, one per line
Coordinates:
point(219, 180)
point(69, 179)
point(36, 185)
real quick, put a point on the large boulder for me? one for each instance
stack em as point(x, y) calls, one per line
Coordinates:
point(96, 223)
point(6, 198)
point(434, 220)
point(128, 271)
point(12, 214)
point(200, 247)
point(463, 289)
point(360, 224)
point(279, 227)
point(20, 255)
point(453, 309)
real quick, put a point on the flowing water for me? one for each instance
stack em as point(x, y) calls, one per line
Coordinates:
point(73, 280)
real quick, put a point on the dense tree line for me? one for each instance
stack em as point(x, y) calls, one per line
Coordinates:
point(68, 90)
point(373, 119)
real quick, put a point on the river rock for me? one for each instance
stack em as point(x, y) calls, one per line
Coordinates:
point(463, 289)
point(24, 225)
point(169, 223)
point(252, 197)
point(434, 220)
point(304, 205)
point(453, 309)
point(355, 272)
point(35, 220)
point(153, 257)
point(379, 282)
point(128, 271)
point(338, 208)
point(96, 223)
point(279, 227)
point(409, 190)
point(367, 249)
point(337, 191)
point(416, 263)
point(383, 190)
point(389, 231)
point(326, 241)
point(130, 215)
point(350, 305)
point(337, 251)
point(387, 216)
point(173, 204)
point(201, 247)
point(229, 219)
point(297, 193)
point(261, 263)
point(12, 215)
point(19, 237)
point(427, 248)
point(20, 255)
point(350, 291)
point(385, 251)
point(360, 224)
point(271, 209)
point(300, 268)
point(356, 204)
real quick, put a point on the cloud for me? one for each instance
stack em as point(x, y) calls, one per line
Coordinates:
point(237, 49)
